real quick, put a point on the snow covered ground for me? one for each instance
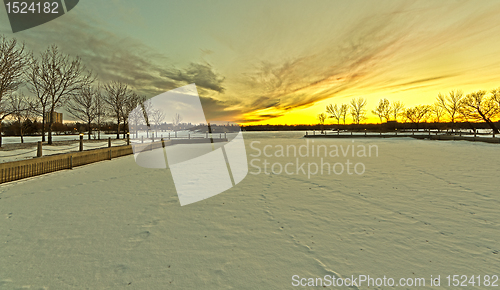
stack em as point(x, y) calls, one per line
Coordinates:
point(34, 139)
point(28, 153)
point(420, 208)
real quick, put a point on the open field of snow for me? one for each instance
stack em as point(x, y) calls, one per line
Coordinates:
point(157, 134)
point(419, 208)
point(28, 150)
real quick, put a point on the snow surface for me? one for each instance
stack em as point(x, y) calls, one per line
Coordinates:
point(28, 153)
point(421, 208)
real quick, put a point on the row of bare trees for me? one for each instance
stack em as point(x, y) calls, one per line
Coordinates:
point(55, 80)
point(479, 106)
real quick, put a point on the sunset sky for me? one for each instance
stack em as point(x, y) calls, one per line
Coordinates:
point(282, 62)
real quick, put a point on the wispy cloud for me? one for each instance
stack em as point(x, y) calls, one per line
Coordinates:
point(113, 57)
point(366, 57)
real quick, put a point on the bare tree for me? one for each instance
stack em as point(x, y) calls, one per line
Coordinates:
point(147, 109)
point(13, 60)
point(115, 94)
point(495, 96)
point(131, 101)
point(358, 109)
point(344, 108)
point(437, 112)
point(176, 121)
point(321, 118)
point(383, 110)
point(100, 107)
point(33, 79)
point(417, 114)
point(334, 112)
point(338, 112)
point(83, 106)
point(136, 117)
point(21, 111)
point(478, 107)
point(157, 116)
point(451, 104)
point(60, 78)
point(397, 109)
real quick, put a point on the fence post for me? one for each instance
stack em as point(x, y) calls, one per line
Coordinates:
point(71, 162)
point(128, 138)
point(162, 143)
point(189, 135)
point(39, 149)
point(142, 139)
point(109, 154)
point(168, 135)
point(81, 141)
point(175, 134)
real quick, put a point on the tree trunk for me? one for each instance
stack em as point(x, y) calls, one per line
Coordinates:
point(118, 128)
point(124, 129)
point(493, 127)
point(50, 132)
point(90, 128)
point(489, 122)
point(50, 127)
point(43, 125)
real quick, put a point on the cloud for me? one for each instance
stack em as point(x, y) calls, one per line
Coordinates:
point(112, 57)
point(369, 56)
point(203, 75)
point(418, 81)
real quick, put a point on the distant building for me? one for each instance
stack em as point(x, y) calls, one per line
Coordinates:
point(56, 117)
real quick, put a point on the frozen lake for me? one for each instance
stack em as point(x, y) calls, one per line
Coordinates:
point(419, 208)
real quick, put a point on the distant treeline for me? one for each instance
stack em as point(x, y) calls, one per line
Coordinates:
point(384, 127)
point(469, 111)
